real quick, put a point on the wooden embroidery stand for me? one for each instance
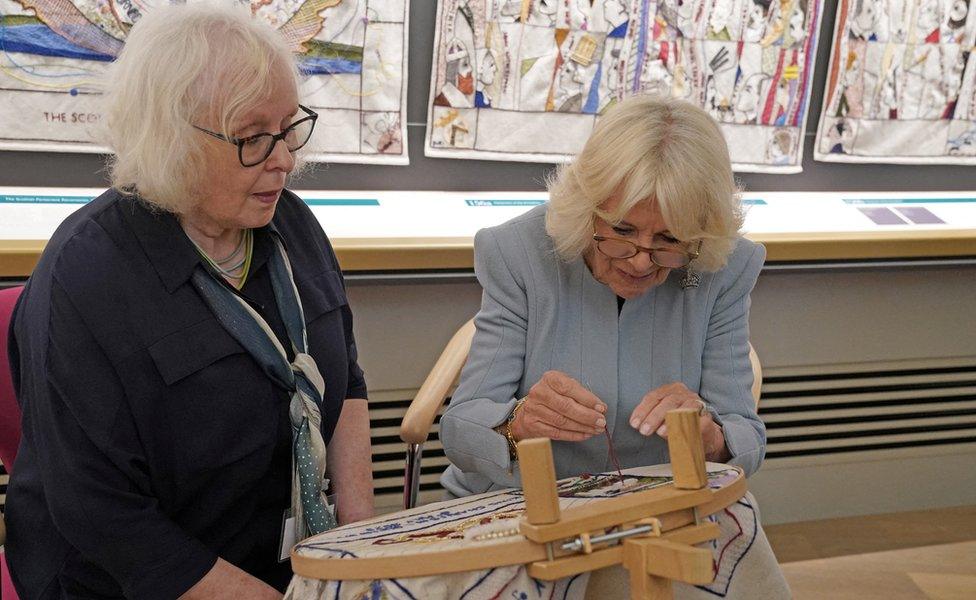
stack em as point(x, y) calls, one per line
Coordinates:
point(649, 530)
point(650, 533)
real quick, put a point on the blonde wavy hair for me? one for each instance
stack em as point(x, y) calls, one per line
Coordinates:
point(650, 149)
point(185, 64)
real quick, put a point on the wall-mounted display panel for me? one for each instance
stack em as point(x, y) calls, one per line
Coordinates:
point(392, 231)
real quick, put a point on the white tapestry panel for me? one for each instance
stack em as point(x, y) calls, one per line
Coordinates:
point(900, 88)
point(352, 52)
point(504, 69)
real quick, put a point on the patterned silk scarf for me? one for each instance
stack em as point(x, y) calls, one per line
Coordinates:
point(300, 377)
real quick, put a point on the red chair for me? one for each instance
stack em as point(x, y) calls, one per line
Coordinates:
point(9, 418)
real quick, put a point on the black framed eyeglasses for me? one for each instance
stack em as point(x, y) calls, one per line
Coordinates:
point(663, 257)
point(255, 149)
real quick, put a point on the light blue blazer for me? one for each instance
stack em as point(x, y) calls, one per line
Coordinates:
point(539, 313)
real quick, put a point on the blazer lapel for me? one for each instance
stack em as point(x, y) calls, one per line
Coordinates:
point(600, 342)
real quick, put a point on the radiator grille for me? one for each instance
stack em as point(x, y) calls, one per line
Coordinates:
point(809, 412)
point(866, 410)
point(389, 455)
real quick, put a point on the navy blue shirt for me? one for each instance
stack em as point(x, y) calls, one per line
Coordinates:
point(152, 442)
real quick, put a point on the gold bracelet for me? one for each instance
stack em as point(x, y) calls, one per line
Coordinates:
point(512, 448)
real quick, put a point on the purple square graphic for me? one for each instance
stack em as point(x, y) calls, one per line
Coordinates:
point(920, 215)
point(882, 215)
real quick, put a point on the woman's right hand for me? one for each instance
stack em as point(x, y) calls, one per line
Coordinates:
point(558, 407)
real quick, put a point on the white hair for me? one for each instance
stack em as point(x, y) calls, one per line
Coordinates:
point(185, 65)
point(650, 149)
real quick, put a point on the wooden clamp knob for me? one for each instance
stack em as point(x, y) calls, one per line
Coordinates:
point(538, 481)
point(686, 449)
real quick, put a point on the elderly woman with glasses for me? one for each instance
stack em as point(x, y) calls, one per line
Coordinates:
point(183, 352)
point(626, 296)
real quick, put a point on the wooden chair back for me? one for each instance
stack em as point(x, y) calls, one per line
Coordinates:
point(423, 409)
point(757, 375)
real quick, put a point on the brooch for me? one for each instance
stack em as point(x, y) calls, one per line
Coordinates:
point(690, 280)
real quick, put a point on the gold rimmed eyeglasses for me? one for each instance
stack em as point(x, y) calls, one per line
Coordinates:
point(663, 257)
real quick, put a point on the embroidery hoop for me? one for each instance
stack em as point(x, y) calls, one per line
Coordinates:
point(651, 532)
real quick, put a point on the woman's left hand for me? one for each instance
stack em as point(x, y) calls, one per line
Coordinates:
point(648, 417)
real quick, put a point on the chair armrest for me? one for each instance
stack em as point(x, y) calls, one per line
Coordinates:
point(757, 374)
point(423, 408)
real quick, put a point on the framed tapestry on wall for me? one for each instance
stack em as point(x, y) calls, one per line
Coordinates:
point(353, 53)
point(900, 87)
point(525, 80)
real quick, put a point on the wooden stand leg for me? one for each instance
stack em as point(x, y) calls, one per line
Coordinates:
point(538, 481)
point(686, 449)
point(653, 563)
point(649, 587)
point(644, 586)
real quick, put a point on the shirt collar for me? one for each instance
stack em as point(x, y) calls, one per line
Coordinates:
point(263, 246)
point(171, 252)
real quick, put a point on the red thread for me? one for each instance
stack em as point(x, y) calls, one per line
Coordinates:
point(613, 454)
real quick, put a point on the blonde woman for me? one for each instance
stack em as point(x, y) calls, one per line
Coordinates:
point(170, 348)
point(625, 297)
